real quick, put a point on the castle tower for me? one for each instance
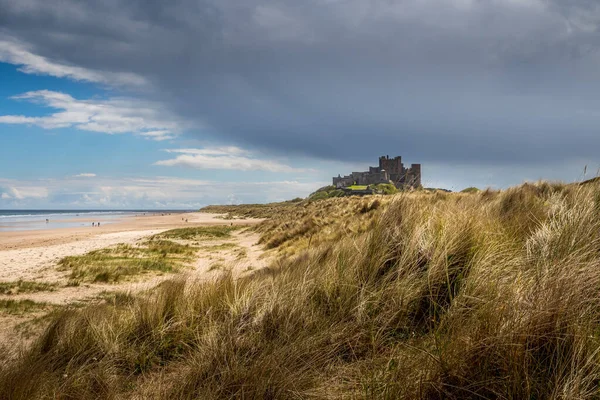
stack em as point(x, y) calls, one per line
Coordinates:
point(393, 166)
point(414, 175)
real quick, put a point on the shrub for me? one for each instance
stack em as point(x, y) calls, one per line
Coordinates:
point(386, 188)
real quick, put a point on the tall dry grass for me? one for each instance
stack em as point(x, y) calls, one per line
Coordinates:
point(491, 295)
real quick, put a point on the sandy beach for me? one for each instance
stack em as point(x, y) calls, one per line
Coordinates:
point(155, 222)
point(34, 255)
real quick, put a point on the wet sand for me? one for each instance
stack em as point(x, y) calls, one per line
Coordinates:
point(40, 238)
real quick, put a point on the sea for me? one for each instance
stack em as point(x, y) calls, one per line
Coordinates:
point(20, 220)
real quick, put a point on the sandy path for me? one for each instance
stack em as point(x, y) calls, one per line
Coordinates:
point(247, 256)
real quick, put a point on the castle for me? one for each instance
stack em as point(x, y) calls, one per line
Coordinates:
point(390, 170)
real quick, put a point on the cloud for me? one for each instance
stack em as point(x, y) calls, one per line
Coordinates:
point(477, 83)
point(13, 52)
point(24, 192)
point(158, 136)
point(112, 116)
point(230, 158)
point(84, 175)
point(143, 192)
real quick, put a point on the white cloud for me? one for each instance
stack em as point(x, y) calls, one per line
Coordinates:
point(230, 158)
point(212, 151)
point(85, 175)
point(112, 116)
point(25, 192)
point(159, 136)
point(144, 192)
point(16, 53)
point(17, 119)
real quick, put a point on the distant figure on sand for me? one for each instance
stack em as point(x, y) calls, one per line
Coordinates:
point(93, 224)
point(98, 224)
point(47, 220)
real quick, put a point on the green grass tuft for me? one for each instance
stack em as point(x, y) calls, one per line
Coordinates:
point(202, 232)
point(357, 187)
point(20, 286)
point(471, 189)
point(20, 307)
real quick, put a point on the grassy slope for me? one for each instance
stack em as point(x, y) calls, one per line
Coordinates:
point(358, 187)
point(251, 210)
point(485, 295)
point(20, 286)
point(121, 261)
point(158, 254)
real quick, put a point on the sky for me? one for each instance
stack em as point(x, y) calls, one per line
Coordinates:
point(151, 104)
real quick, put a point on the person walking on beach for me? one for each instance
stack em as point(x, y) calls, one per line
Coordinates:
point(93, 224)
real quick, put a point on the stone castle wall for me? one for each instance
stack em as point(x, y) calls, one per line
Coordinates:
point(390, 170)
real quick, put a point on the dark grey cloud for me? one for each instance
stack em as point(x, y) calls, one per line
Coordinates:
point(471, 81)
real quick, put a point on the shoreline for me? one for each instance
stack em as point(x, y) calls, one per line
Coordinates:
point(31, 223)
point(20, 239)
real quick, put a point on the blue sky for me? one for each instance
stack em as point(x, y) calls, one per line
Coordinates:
point(61, 165)
point(141, 104)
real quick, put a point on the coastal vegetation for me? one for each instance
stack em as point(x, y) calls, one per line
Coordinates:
point(200, 233)
point(419, 295)
point(328, 192)
point(357, 187)
point(124, 261)
point(385, 188)
point(19, 307)
point(251, 210)
point(21, 286)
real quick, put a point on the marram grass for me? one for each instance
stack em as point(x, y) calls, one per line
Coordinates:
point(126, 261)
point(486, 295)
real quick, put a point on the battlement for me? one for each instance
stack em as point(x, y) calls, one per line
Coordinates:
point(390, 170)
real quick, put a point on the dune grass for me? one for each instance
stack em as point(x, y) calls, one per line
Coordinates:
point(125, 261)
point(20, 307)
point(201, 232)
point(220, 247)
point(253, 210)
point(20, 286)
point(489, 295)
point(319, 222)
